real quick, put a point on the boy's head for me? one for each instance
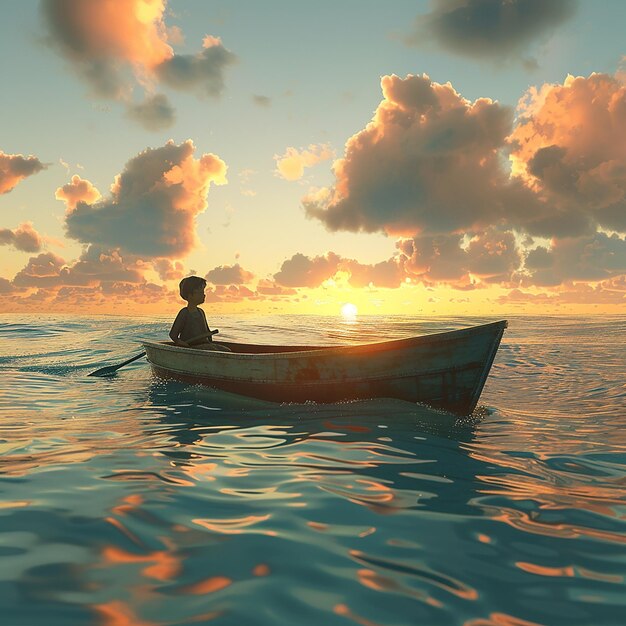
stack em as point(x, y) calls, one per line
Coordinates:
point(189, 284)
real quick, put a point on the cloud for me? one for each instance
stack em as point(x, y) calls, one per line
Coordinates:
point(271, 288)
point(153, 204)
point(169, 270)
point(119, 46)
point(230, 293)
point(432, 167)
point(262, 101)
point(489, 28)
point(291, 165)
point(569, 145)
point(154, 113)
point(16, 167)
point(77, 190)
point(584, 259)
point(229, 275)
point(202, 72)
point(605, 292)
point(6, 286)
point(491, 256)
point(95, 266)
point(24, 238)
point(389, 273)
point(107, 41)
point(302, 271)
point(429, 161)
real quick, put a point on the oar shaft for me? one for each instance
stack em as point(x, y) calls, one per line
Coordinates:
point(202, 336)
point(110, 369)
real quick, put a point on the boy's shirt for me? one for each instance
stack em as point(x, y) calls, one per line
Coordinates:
point(189, 324)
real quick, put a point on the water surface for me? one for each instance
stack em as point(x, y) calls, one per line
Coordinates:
point(135, 501)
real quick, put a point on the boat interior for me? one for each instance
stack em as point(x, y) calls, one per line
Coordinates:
point(252, 348)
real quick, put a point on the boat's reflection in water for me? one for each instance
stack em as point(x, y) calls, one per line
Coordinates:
point(200, 505)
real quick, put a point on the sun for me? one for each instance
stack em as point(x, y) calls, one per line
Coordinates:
point(349, 311)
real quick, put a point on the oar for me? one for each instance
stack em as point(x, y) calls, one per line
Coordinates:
point(110, 369)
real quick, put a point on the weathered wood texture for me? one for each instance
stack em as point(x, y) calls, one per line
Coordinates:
point(444, 370)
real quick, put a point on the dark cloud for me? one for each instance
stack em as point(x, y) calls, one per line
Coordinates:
point(202, 72)
point(585, 259)
point(154, 113)
point(489, 28)
point(15, 167)
point(429, 161)
point(153, 204)
point(24, 238)
point(229, 275)
point(491, 256)
point(6, 286)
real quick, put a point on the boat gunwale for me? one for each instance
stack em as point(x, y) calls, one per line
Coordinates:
point(307, 351)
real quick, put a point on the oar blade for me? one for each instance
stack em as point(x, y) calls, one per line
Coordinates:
point(111, 369)
point(105, 371)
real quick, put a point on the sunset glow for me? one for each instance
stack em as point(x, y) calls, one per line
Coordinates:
point(349, 311)
point(430, 176)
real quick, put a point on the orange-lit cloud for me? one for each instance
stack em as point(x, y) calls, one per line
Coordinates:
point(93, 267)
point(229, 275)
point(169, 270)
point(230, 293)
point(612, 292)
point(77, 190)
point(119, 45)
point(303, 271)
point(24, 238)
point(272, 289)
point(488, 257)
point(429, 161)
point(16, 167)
point(432, 166)
point(292, 164)
point(489, 28)
point(570, 147)
point(153, 203)
point(390, 273)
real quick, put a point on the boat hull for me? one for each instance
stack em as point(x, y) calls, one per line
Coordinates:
point(445, 370)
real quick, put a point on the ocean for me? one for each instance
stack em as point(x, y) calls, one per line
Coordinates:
point(133, 501)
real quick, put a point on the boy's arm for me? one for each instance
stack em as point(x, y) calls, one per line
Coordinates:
point(177, 327)
point(206, 323)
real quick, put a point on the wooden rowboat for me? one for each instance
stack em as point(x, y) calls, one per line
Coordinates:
point(444, 370)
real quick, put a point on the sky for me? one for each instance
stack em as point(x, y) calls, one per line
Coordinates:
point(440, 157)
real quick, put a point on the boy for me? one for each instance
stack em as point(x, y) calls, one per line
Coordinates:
point(191, 321)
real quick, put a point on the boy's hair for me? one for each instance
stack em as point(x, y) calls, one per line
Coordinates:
point(189, 284)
